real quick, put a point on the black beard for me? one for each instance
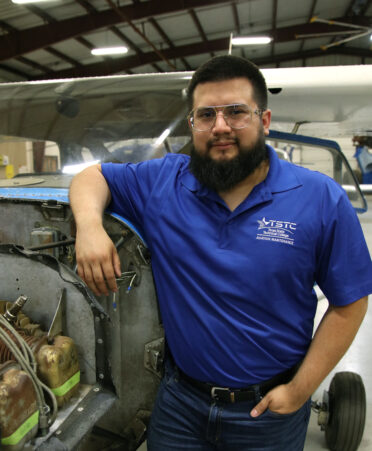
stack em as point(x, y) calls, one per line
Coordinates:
point(221, 176)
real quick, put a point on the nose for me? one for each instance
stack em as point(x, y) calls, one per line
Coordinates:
point(220, 125)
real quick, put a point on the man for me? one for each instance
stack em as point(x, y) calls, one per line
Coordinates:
point(238, 239)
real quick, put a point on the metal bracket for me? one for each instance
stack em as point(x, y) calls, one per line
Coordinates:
point(154, 356)
point(59, 319)
point(52, 211)
point(323, 412)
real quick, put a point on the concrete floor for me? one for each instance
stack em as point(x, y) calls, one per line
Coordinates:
point(358, 359)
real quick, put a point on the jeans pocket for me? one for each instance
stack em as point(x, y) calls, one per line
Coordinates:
point(272, 414)
point(305, 409)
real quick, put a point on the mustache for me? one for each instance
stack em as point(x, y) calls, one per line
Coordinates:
point(212, 142)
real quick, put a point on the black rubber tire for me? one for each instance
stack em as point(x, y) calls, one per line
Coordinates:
point(347, 412)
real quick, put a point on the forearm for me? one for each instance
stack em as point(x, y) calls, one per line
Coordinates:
point(89, 196)
point(97, 264)
point(331, 340)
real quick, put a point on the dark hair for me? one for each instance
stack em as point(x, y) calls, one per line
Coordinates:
point(227, 67)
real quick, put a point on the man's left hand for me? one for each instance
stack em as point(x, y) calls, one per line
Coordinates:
point(281, 399)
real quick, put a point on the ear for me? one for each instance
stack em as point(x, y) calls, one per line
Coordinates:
point(189, 124)
point(266, 120)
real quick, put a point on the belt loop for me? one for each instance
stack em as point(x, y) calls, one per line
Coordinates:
point(256, 389)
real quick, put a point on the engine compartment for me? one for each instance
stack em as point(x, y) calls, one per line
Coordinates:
point(117, 340)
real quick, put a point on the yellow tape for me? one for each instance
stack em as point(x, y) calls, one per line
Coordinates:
point(66, 387)
point(26, 427)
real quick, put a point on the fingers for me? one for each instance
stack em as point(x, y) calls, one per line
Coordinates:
point(116, 262)
point(280, 399)
point(98, 279)
point(98, 264)
point(109, 279)
point(260, 407)
point(100, 273)
point(94, 278)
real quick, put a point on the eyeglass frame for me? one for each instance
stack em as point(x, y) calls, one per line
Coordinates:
point(190, 117)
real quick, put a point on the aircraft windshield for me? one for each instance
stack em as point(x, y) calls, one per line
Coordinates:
point(61, 126)
point(64, 125)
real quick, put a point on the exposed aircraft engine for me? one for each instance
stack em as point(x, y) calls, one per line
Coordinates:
point(53, 362)
point(56, 357)
point(18, 407)
point(97, 361)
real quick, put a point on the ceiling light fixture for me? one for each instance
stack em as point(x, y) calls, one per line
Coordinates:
point(251, 40)
point(248, 40)
point(109, 50)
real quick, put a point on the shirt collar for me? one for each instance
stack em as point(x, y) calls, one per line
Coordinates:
point(190, 182)
point(282, 175)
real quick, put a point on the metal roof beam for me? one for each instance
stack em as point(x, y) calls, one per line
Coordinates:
point(91, 10)
point(358, 7)
point(18, 43)
point(237, 25)
point(126, 63)
point(165, 37)
point(236, 17)
point(364, 53)
point(199, 27)
point(7, 68)
point(35, 65)
point(87, 6)
point(129, 62)
point(6, 27)
point(62, 56)
point(285, 34)
point(21, 42)
point(353, 51)
point(312, 9)
point(273, 23)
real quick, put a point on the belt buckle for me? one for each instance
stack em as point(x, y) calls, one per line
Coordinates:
point(214, 395)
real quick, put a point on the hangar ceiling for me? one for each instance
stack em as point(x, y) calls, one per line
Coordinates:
point(54, 39)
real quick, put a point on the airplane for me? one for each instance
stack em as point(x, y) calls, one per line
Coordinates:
point(326, 102)
point(51, 129)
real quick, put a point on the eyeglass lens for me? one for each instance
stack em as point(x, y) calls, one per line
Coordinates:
point(236, 116)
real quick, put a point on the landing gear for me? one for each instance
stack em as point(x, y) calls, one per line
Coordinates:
point(342, 413)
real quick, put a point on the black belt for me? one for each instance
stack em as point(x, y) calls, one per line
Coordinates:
point(231, 395)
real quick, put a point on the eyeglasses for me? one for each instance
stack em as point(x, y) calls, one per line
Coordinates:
point(236, 116)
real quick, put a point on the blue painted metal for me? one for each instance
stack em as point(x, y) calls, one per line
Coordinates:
point(324, 143)
point(58, 194)
point(302, 139)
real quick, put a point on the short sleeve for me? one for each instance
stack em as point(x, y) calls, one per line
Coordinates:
point(344, 268)
point(130, 186)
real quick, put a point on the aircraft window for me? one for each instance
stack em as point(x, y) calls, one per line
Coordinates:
point(327, 160)
point(22, 156)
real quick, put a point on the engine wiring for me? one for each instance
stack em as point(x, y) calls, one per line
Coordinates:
point(26, 360)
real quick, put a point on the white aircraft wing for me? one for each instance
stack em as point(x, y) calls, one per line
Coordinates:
point(332, 101)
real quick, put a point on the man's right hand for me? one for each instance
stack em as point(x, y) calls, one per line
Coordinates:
point(96, 256)
point(98, 262)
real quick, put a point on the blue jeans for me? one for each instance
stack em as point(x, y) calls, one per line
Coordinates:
point(184, 418)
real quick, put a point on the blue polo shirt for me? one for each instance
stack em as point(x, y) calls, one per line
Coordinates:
point(235, 289)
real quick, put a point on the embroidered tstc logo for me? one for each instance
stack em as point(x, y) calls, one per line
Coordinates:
point(274, 230)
